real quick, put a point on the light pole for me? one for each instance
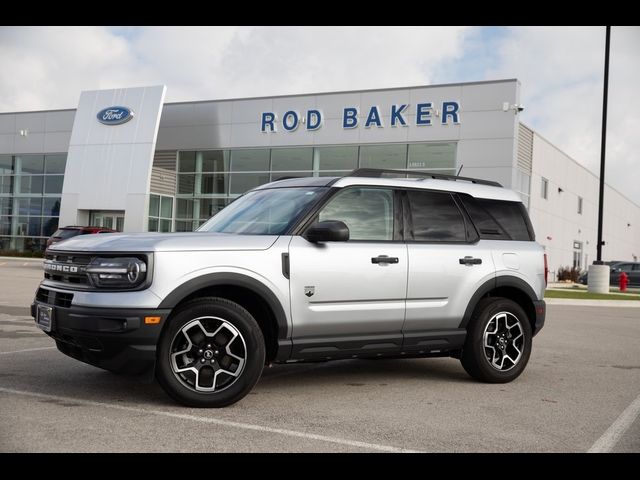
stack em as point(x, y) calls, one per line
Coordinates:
point(598, 272)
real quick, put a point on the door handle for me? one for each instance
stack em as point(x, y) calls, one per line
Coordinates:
point(384, 259)
point(470, 261)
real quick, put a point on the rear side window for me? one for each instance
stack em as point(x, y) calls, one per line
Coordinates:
point(498, 219)
point(436, 217)
point(66, 233)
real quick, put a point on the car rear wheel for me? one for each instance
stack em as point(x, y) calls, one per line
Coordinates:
point(211, 354)
point(498, 343)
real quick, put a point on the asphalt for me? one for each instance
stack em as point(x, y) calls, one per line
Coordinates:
point(583, 374)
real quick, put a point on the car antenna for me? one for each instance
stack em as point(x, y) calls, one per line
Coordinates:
point(458, 174)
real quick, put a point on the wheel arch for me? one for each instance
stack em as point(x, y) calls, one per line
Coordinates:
point(507, 286)
point(248, 292)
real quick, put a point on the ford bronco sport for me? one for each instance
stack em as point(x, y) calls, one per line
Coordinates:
point(371, 265)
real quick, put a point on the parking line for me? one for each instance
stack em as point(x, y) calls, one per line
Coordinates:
point(614, 433)
point(27, 350)
point(217, 421)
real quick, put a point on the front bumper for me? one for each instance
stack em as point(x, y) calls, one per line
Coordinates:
point(115, 339)
point(541, 312)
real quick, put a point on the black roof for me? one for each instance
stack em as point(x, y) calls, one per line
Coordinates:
point(290, 181)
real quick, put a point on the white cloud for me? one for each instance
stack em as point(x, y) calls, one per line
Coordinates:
point(47, 67)
point(560, 69)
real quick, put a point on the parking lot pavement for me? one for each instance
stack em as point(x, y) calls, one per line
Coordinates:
point(18, 282)
point(581, 387)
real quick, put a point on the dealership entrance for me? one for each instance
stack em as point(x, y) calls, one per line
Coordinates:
point(107, 219)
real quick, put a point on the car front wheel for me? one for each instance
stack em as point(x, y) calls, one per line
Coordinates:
point(211, 353)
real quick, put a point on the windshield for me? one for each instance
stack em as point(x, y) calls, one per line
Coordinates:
point(263, 212)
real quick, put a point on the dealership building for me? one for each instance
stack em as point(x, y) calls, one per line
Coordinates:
point(127, 160)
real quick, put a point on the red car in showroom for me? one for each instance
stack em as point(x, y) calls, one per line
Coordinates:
point(64, 233)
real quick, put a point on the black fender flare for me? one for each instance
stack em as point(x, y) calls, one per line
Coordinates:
point(230, 279)
point(500, 281)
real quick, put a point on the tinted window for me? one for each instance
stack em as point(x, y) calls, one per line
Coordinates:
point(435, 217)
point(368, 212)
point(499, 220)
point(64, 233)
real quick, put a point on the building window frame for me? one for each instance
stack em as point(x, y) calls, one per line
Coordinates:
point(580, 202)
point(544, 191)
point(155, 222)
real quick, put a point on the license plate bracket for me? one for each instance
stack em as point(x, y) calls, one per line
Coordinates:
point(44, 318)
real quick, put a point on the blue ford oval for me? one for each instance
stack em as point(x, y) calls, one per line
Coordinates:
point(115, 115)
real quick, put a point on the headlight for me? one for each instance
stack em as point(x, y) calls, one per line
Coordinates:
point(123, 272)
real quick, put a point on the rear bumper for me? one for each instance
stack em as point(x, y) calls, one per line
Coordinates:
point(541, 312)
point(110, 338)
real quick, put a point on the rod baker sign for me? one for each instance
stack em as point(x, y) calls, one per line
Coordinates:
point(425, 114)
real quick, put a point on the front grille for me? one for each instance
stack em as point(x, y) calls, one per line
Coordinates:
point(51, 297)
point(69, 268)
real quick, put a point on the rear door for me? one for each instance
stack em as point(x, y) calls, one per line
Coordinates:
point(447, 264)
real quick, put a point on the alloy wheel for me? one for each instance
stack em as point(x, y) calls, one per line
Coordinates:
point(208, 354)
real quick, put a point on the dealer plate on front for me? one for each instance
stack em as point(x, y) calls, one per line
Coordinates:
point(44, 318)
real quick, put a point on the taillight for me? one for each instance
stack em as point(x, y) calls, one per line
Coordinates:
point(546, 270)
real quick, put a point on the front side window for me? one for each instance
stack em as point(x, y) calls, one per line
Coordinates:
point(368, 212)
point(436, 218)
point(264, 212)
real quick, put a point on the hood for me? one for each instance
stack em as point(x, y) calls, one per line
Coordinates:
point(163, 242)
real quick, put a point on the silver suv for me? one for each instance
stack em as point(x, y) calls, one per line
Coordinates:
point(377, 264)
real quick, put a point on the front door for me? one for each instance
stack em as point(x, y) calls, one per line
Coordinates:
point(343, 299)
point(105, 219)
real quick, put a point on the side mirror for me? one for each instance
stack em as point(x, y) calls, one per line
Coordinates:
point(329, 231)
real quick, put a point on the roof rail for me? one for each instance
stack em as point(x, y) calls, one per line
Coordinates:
point(380, 172)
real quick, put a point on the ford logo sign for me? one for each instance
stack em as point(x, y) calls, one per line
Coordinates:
point(115, 115)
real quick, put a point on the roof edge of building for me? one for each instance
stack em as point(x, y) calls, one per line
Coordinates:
point(436, 85)
point(40, 111)
point(587, 169)
point(339, 92)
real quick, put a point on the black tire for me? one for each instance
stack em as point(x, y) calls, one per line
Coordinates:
point(474, 354)
point(254, 347)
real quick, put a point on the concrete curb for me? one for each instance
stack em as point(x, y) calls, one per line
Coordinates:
point(593, 303)
point(21, 259)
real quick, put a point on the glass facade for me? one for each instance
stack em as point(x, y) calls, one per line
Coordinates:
point(160, 213)
point(209, 180)
point(30, 193)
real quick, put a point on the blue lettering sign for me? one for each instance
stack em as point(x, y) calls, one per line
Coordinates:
point(290, 121)
point(268, 120)
point(450, 109)
point(396, 115)
point(314, 119)
point(423, 113)
point(350, 117)
point(373, 118)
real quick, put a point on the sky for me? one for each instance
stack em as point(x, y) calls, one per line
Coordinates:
point(560, 70)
